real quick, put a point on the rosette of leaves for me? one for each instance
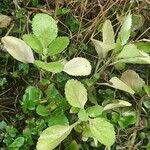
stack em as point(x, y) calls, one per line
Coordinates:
point(45, 41)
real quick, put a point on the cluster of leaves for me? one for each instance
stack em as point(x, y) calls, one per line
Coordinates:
point(91, 122)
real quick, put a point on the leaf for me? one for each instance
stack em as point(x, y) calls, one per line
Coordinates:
point(57, 117)
point(94, 111)
point(82, 115)
point(42, 110)
point(18, 49)
point(129, 51)
point(130, 54)
point(58, 45)
point(54, 67)
point(30, 98)
point(98, 47)
point(116, 104)
point(125, 30)
point(33, 42)
point(147, 90)
point(45, 28)
point(5, 21)
point(118, 84)
point(143, 46)
point(18, 142)
point(76, 93)
point(102, 48)
point(108, 36)
point(103, 131)
point(133, 80)
point(73, 146)
point(78, 67)
point(53, 136)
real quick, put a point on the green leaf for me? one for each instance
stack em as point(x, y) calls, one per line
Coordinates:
point(73, 146)
point(118, 84)
point(57, 117)
point(116, 104)
point(3, 125)
point(18, 142)
point(78, 67)
point(58, 45)
point(76, 93)
point(54, 67)
point(128, 118)
point(133, 80)
point(82, 115)
point(125, 30)
point(143, 46)
point(42, 110)
point(108, 36)
point(94, 111)
point(53, 136)
point(147, 90)
point(33, 42)
point(103, 131)
point(130, 54)
point(44, 28)
point(30, 98)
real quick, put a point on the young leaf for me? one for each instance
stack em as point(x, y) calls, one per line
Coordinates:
point(33, 42)
point(53, 136)
point(58, 45)
point(45, 28)
point(133, 80)
point(108, 36)
point(82, 115)
point(42, 110)
point(94, 111)
point(30, 98)
point(118, 84)
point(18, 49)
point(54, 67)
point(103, 131)
point(125, 30)
point(116, 104)
point(78, 67)
point(76, 93)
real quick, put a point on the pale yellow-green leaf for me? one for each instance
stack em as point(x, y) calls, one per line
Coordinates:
point(78, 67)
point(125, 30)
point(118, 84)
point(103, 131)
point(75, 93)
point(98, 47)
point(18, 49)
point(108, 35)
point(133, 80)
point(129, 51)
point(53, 136)
point(116, 104)
point(5, 21)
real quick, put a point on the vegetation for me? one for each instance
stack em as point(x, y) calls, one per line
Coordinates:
point(74, 75)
